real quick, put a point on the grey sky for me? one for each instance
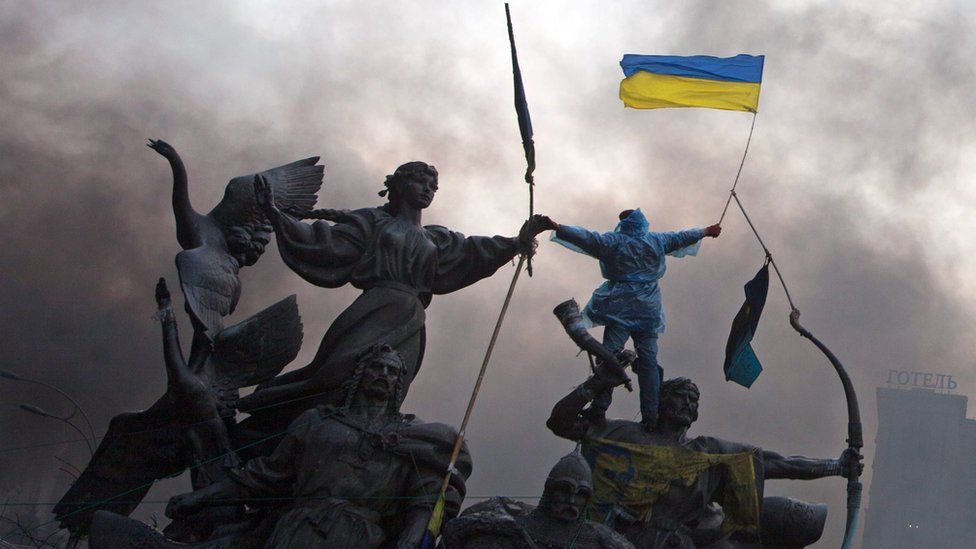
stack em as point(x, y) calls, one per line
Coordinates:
point(856, 178)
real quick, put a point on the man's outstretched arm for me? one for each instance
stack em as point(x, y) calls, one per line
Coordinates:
point(591, 242)
point(565, 420)
point(804, 468)
point(682, 239)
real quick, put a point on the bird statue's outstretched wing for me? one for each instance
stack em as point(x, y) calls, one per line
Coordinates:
point(255, 350)
point(208, 273)
point(138, 449)
point(295, 186)
point(208, 277)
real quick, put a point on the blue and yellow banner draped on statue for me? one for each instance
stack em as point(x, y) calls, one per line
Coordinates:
point(663, 81)
point(634, 476)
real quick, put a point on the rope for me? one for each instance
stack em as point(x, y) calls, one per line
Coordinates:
point(738, 173)
point(769, 256)
point(272, 499)
point(531, 213)
point(481, 376)
point(457, 445)
point(93, 505)
point(854, 425)
point(733, 195)
point(144, 431)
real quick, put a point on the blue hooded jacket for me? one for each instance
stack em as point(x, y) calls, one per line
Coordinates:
point(632, 261)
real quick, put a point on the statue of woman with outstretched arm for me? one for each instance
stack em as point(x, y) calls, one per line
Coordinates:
point(397, 262)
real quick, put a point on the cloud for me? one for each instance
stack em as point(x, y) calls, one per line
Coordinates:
point(854, 179)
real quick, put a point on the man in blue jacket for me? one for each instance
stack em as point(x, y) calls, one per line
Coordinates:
point(628, 304)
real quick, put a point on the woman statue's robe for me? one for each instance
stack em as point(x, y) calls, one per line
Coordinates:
point(399, 266)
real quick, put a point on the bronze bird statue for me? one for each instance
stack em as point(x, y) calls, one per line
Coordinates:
point(233, 235)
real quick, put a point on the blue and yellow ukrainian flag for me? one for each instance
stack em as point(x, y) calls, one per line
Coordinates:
point(662, 81)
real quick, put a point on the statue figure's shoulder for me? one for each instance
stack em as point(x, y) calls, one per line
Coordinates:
point(362, 216)
point(499, 507)
point(622, 430)
point(510, 506)
point(323, 411)
point(715, 445)
point(607, 537)
point(492, 521)
point(618, 426)
point(431, 444)
point(440, 233)
point(375, 212)
point(327, 413)
point(433, 432)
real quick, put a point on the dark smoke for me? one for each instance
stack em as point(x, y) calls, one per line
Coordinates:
point(854, 179)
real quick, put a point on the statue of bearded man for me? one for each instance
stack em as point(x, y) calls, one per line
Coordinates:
point(660, 487)
point(357, 475)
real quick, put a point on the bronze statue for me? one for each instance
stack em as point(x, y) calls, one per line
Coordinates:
point(675, 508)
point(357, 475)
point(233, 235)
point(558, 521)
point(398, 263)
point(190, 425)
point(187, 427)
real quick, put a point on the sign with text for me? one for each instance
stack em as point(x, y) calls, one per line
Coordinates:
point(924, 380)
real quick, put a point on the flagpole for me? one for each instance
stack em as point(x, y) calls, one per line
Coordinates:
point(481, 374)
point(459, 441)
point(769, 255)
point(525, 259)
point(524, 122)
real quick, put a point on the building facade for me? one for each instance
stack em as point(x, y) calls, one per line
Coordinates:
point(923, 487)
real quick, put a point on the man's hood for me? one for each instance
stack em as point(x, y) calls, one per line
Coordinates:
point(633, 224)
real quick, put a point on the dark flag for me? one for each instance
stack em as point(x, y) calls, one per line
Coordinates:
point(741, 364)
point(525, 124)
point(521, 106)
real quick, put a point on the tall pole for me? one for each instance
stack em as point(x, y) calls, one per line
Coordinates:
point(524, 122)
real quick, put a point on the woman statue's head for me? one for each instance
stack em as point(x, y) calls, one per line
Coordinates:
point(413, 184)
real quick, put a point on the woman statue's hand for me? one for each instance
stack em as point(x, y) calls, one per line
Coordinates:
point(536, 224)
point(533, 226)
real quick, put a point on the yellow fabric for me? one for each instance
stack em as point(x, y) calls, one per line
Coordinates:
point(634, 476)
point(645, 90)
point(436, 517)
